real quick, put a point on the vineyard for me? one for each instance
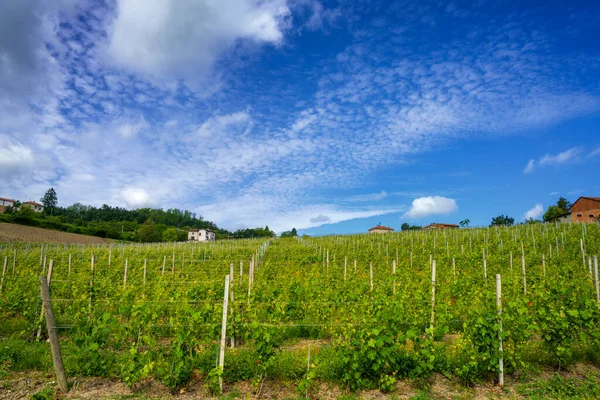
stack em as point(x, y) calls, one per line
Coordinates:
point(361, 311)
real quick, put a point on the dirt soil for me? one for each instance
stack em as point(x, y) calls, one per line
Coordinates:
point(22, 385)
point(30, 234)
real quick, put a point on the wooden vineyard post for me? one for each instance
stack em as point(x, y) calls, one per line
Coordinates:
point(590, 266)
point(14, 260)
point(70, 258)
point(394, 274)
point(453, 267)
point(433, 267)
point(250, 272)
point(241, 271)
point(596, 279)
point(371, 274)
point(3, 273)
point(411, 260)
point(173, 264)
point(544, 265)
point(511, 261)
point(223, 332)
point(164, 265)
point(61, 377)
point(582, 251)
point(125, 274)
point(484, 266)
point(144, 271)
point(48, 281)
point(231, 296)
point(524, 274)
point(109, 255)
point(345, 267)
point(499, 310)
point(355, 266)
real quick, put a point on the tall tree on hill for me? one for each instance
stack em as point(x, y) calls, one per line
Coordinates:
point(49, 200)
point(502, 220)
point(561, 208)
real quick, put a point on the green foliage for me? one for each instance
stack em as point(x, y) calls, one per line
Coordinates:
point(45, 394)
point(49, 200)
point(465, 223)
point(170, 235)
point(502, 220)
point(553, 212)
point(289, 234)
point(407, 227)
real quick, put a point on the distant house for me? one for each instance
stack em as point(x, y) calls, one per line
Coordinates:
point(440, 226)
point(37, 207)
point(380, 229)
point(4, 202)
point(200, 235)
point(584, 210)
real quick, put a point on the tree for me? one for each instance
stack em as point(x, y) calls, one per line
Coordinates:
point(465, 222)
point(50, 200)
point(405, 226)
point(563, 204)
point(169, 235)
point(289, 234)
point(502, 220)
point(553, 212)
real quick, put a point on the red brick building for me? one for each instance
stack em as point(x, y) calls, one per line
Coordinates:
point(584, 210)
point(440, 226)
point(380, 229)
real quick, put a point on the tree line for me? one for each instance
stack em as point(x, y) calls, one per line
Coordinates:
point(139, 225)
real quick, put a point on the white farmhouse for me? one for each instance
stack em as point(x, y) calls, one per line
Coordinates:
point(200, 235)
point(35, 206)
point(4, 202)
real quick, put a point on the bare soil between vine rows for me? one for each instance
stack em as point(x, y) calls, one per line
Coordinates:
point(30, 234)
point(23, 385)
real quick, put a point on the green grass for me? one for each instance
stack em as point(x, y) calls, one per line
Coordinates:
point(558, 387)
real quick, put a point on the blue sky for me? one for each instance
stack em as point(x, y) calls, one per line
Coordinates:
point(327, 116)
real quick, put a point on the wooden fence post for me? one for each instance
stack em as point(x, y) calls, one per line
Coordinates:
point(433, 267)
point(596, 279)
point(223, 332)
point(61, 377)
point(3, 272)
point(371, 274)
point(49, 280)
point(499, 310)
point(125, 274)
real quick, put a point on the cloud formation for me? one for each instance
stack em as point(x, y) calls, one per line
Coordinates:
point(560, 158)
point(432, 205)
point(529, 168)
point(185, 38)
point(534, 213)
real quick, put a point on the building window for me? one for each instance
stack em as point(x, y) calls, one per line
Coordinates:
point(579, 215)
point(591, 215)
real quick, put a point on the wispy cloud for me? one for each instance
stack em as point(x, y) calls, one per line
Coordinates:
point(534, 213)
point(561, 158)
point(529, 168)
point(368, 197)
point(595, 152)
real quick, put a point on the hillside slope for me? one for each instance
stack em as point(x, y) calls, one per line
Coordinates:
point(22, 233)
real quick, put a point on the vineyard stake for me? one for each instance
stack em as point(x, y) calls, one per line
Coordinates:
point(590, 265)
point(41, 319)
point(144, 271)
point(345, 267)
point(484, 265)
point(499, 308)
point(355, 266)
point(14, 260)
point(61, 377)
point(544, 265)
point(433, 266)
point(125, 274)
point(241, 270)
point(371, 274)
point(394, 274)
point(596, 279)
point(69, 274)
point(223, 332)
point(3, 272)
point(109, 255)
point(164, 264)
point(453, 267)
point(524, 275)
point(231, 296)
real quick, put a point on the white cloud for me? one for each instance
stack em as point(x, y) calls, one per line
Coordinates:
point(595, 152)
point(136, 198)
point(184, 38)
point(129, 130)
point(369, 197)
point(14, 156)
point(426, 206)
point(529, 168)
point(560, 158)
point(534, 213)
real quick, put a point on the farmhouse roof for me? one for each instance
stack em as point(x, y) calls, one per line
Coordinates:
point(586, 197)
point(381, 228)
point(6, 199)
point(436, 224)
point(34, 203)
